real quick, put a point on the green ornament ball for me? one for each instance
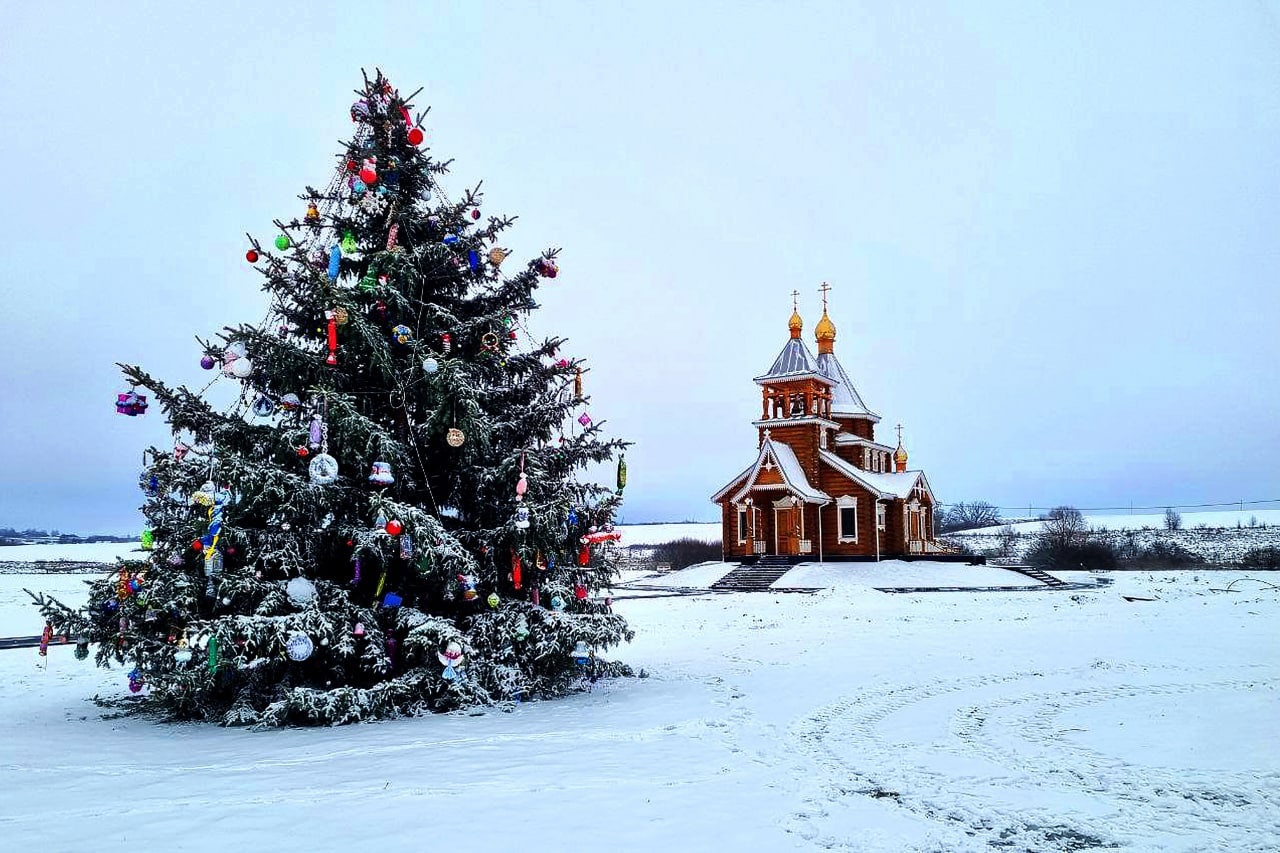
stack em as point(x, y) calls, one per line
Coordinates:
point(282, 242)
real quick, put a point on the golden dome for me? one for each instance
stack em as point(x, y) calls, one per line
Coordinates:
point(900, 458)
point(795, 324)
point(825, 330)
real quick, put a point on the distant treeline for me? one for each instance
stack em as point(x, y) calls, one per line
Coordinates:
point(13, 536)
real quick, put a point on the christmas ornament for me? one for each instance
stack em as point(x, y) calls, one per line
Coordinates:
point(402, 335)
point(82, 648)
point(497, 256)
point(596, 537)
point(585, 420)
point(406, 547)
point(489, 341)
point(580, 592)
point(282, 242)
point(299, 646)
point(446, 343)
point(315, 432)
point(331, 337)
point(358, 630)
point(206, 495)
point(453, 659)
point(455, 437)
point(535, 597)
point(335, 261)
point(622, 473)
point(135, 680)
point(381, 474)
point(392, 600)
point(183, 654)
point(557, 603)
point(313, 213)
point(430, 365)
point(369, 172)
point(211, 657)
point(349, 244)
point(394, 527)
point(242, 368)
point(473, 259)
point(251, 256)
point(450, 239)
point(45, 637)
point(521, 630)
point(467, 585)
point(263, 407)
point(323, 469)
point(300, 591)
point(392, 235)
point(360, 110)
point(358, 186)
point(207, 362)
point(341, 315)
point(303, 452)
point(516, 569)
point(493, 600)
point(149, 483)
point(131, 403)
point(572, 521)
point(148, 540)
point(580, 654)
point(415, 136)
point(547, 268)
point(584, 556)
point(577, 383)
point(290, 402)
point(522, 518)
point(475, 213)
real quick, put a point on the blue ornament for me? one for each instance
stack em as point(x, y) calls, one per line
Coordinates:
point(450, 239)
point(392, 600)
point(573, 518)
point(110, 605)
point(335, 258)
point(473, 258)
point(358, 186)
point(149, 484)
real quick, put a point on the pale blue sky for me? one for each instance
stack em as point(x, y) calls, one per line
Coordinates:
point(1051, 228)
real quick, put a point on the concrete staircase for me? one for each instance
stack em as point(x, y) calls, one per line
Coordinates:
point(757, 577)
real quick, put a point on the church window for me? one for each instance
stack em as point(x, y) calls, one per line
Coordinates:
point(742, 524)
point(847, 518)
point(881, 516)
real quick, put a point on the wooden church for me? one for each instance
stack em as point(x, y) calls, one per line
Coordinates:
point(821, 486)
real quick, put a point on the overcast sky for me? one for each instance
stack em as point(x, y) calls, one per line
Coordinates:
point(1052, 230)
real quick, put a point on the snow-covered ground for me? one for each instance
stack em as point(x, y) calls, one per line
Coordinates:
point(81, 552)
point(1190, 520)
point(881, 575)
point(842, 720)
point(656, 534)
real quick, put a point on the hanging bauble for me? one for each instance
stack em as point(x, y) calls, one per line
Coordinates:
point(262, 407)
point(315, 432)
point(381, 474)
point(557, 603)
point(577, 382)
point(381, 520)
point(131, 403)
point(393, 236)
point(282, 242)
point(206, 495)
point(452, 658)
point(406, 547)
point(341, 316)
point(313, 213)
point(455, 437)
point(521, 630)
point(392, 599)
point(446, 343)
point(303, 452)
point(402, 335)
point(622, 473)
point(580, 591)
point(430, 365)
point(522, 485)
point(450, 239)
point(572, 520)
point(547, 268)
point(323, 469)
point(415, 136)
point(360, 110)
point(82, 648)
point(300, 591)
point(335, 263)
point(489, 342)
point(149, 483)
point(358, 187)
point(517, 569)
point(358, 630)
point(369, 175)
point(394, 527)
point(251, 256)
point(467, 584)
point(182, 655)
point(380, 308)
point(207, 362)
point(493, 601)
point(584, 556)
point(148, 540)
point(497, 256)
point(522, 517)
point(242, 368)
point(473, 259)
point(290, 402)
point(135, 680)
point(299, 646)
point(349, 244)
point(580, 654)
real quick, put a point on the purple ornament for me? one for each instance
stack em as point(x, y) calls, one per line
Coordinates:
point(207, 362)
point(356, 579)
point(317, 431)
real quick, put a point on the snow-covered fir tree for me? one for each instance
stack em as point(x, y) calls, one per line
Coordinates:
point(389, 520)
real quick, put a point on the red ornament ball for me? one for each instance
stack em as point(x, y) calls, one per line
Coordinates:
point(251, 256)
point(352, 166)
point(303, 452)
point(197, 545)
point(416, 136)
point(394, 527)
point(369, 176)
point(475, 214)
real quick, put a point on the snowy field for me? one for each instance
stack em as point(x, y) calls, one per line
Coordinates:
point(881, 575)
point(843, 720)
point(1190, 520)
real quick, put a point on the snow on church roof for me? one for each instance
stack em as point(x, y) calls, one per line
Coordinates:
point(793, 362)
point(845, 399)
point(886, 485)
point(788, 466)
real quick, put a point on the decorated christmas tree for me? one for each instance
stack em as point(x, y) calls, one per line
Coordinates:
point(389, 519)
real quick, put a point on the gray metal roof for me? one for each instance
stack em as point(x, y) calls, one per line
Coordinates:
point(845, 399)
point(794, 360)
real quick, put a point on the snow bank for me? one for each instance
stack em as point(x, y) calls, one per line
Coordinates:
point(80, 552)
point(656, 534)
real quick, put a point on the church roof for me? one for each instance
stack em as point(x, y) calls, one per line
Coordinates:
point(845, 399)
point(793, 478)
point(794, 362)
point(885, 485)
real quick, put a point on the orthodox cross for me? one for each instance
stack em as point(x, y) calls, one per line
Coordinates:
point(825, 289)
point(899, 435)
point(795, 305)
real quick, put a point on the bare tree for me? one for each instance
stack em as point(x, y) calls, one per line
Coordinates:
point(1064, 527)
point(1008, 540)
point(1172, 519)
point(967, 516)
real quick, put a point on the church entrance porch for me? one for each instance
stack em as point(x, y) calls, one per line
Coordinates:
point(788, 528)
